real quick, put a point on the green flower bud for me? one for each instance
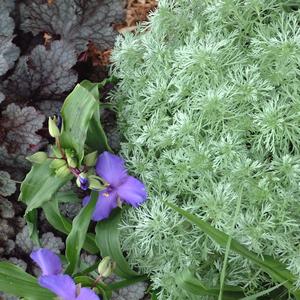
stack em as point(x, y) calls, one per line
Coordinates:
point(56, 152)
point(95, 184)
point(38, 157)
point(57, 163)
point(106, 267)
point(62, 171)
point(53, 129)
point(90, 159)
point(71, 159)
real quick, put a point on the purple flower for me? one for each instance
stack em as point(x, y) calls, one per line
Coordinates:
point(120, 185)
point(84, 182)
point(61, 285)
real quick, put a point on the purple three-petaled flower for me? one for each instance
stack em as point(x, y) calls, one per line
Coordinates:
point(120, 186)
point(52, 278)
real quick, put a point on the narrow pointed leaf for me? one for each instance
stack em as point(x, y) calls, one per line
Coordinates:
point(31, 220)
point(268, 264)
point(105, 291)
point(76, 238)
point(263, 293)
point(188, 282)
point(96, 138)
point(64, 225)
point(107, 240)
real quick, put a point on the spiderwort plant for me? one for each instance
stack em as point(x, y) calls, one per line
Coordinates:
point(52, 278)
point(118, 186)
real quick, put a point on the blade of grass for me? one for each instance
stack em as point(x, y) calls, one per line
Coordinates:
point(277, 270)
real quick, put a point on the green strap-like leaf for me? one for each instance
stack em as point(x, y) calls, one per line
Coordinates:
point(31, 220)
point(188, 282)
point(96, 138)
point(76, 238)
point(263, 293)
point(38, 187)
point(268, 264)
point(106, 292)
point(64, 225)
point(77, 111)
point(107, 240)
point(14, 281)
point(81, 120)
point(40, 184)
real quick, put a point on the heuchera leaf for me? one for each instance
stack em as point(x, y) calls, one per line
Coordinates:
point(14, 281)
point(9, 53)
point(44, 73)
point(8, 5)
point(19, 127)
point(7, 186)
point(7, 24)
point(77, 22)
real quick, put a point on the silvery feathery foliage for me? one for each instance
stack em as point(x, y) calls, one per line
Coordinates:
point(209, 107)
point(76, 21)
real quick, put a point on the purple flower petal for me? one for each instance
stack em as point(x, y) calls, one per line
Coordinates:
point(107, 201)
point(84, 183)
point(48, 261)
point(132, 191)
point(87, 294)
point(111, 168)
point(61, 285)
